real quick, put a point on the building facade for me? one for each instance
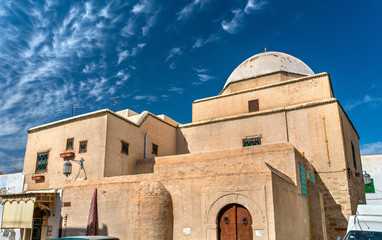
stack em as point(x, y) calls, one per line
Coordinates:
point(372, 164)
point(273, 156)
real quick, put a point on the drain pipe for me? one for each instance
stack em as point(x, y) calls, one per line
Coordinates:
point(145, 148)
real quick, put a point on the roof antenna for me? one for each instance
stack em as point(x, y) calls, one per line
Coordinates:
point(74, 109)
point(265, 48)
point(115, 101)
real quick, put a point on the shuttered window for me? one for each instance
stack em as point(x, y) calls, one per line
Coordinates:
point(42, 161)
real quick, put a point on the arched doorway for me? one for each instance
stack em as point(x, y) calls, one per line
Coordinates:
point(234, 223)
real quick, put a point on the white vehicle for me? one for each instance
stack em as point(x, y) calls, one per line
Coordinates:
point(366, 224)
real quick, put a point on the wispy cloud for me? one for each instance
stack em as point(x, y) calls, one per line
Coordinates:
point(371, 148)
point(172, 55)
point(200, 42)
point(187, 11)
point(369, 101)
point(150, 98)
point(51, 61)
point(176, 89)
point(203, 76)
point(144, 16)
point(123, 54)
point(234, 25)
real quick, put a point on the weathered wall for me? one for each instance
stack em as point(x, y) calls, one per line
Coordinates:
point(53, 140)
point(302, 90)
point(198, 191)
point(290, 222)
point(158, 132)
point(355, 182)
point(230, 133)
point(259, 81)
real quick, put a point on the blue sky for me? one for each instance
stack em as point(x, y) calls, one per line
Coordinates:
point(161, 55)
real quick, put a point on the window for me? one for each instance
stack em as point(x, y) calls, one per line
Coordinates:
point(155, 149)
point(251, 142)
point(42, 161)
point(125, 147)
point(253, 105)
point(83, 146)
point(354, 160)
point(69, 143)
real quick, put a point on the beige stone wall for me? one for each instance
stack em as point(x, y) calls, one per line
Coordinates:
point(290, 222)
point(199, 189)
point(305, 128)
point(230, 133)
point(158, 132)
point(258, 82)
point(284, 94)
point(356, 184)
point(53, 140)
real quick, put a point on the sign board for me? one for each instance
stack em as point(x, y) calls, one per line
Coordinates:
point(304, 191)
point(370, 188)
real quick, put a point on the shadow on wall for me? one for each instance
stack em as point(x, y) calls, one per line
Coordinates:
point(336, 223)
point(67, 232)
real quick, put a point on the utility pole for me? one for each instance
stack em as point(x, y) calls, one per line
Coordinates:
point(74, 109)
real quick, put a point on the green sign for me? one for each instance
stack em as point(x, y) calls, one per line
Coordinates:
point(370, 188)
point(304, 191)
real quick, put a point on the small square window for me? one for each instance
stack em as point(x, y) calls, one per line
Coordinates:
point(69, 143)
point(42, 162)
point(251, 142)
point(125, 147)
point(83, 146)
point(253, 105)
point(155, 149)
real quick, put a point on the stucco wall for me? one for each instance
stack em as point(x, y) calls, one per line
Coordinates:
point(284, 94)
point(258, 81)
point(158, 132)
point(53, 140)
point(198, 191)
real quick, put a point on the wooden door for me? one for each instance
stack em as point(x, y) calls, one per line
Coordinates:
point(235, 223)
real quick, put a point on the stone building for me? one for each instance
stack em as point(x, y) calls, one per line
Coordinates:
point(273, 156)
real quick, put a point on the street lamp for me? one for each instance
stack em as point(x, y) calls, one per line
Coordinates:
point(367, 178)
point(68, 167)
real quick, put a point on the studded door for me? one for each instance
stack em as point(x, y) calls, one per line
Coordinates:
point(235, 223)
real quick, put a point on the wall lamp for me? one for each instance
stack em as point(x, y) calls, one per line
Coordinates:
point(366, 176)
point(68, 167)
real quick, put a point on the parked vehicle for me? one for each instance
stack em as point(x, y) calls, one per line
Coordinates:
point(88, 238)
point(366, 224)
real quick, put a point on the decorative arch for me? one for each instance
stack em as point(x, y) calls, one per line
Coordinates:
point(252, 205)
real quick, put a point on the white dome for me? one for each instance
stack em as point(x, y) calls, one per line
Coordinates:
point(268, 62)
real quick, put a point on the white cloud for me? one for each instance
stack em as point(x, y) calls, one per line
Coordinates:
point(203, 76)
point(234, 25)
point(12, 165)
point(122, 56)
point(176, 89)
point(172, 55)
point(190, 8)
point(254, 5)
point(147, 97)
point(200, 42)
point(144, 6)
point(369, 101)
point(371, 148)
